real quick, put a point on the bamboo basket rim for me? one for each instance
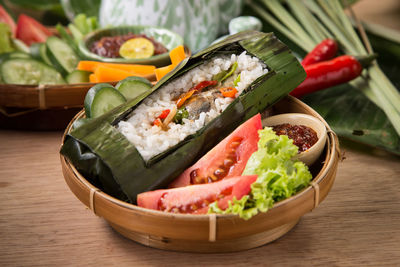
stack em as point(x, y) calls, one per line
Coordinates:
point(332, 153)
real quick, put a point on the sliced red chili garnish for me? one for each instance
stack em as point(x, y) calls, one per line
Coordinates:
point(157, 122)
point(164, 114)
point(203, 85)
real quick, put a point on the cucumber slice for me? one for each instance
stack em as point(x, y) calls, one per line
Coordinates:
point(102, 98)
point(78, 76)
point(20, 46)
point(11, 55)
point(61, 55)
point(29, 71)
point(38, 51)
point(43, 54)
point(132, 87)
point(34, 50)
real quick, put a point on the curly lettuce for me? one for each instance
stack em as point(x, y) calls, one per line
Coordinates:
point(279, 176)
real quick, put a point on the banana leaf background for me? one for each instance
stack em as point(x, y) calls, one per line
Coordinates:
point(348, 111)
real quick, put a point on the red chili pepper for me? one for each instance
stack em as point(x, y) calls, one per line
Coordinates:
point(157, 122)
point(164, 114)
point(325, 50)
point(203, 85)
point(330, 73)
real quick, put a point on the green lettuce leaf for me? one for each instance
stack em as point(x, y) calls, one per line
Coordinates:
point(279, 177)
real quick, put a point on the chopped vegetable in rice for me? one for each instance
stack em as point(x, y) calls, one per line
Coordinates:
point(186, 104)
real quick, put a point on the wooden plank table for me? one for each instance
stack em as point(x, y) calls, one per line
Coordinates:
point(43, 224)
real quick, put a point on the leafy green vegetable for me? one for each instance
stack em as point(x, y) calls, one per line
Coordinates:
point(279, 177)
point(181, 114)
point(5, 39)
point(85, 24)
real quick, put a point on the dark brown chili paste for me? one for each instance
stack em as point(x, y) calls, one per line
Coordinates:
point(109, 46)
point(303, 137)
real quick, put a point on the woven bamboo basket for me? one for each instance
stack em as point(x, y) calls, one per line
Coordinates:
point(211, 233)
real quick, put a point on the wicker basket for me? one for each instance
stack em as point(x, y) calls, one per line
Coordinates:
point(211, 233)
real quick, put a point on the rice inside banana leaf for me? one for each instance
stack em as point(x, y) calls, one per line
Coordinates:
point(108, 160)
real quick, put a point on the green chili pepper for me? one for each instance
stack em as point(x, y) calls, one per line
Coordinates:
point(223, 75)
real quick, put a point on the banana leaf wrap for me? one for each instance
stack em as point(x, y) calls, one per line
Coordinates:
point(108, 160)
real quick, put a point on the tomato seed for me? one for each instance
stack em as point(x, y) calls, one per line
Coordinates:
point(193, 176)
point(228, 162)
point(219, 172)
point(235, 144)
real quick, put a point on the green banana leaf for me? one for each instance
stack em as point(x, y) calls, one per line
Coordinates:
point(103, 155)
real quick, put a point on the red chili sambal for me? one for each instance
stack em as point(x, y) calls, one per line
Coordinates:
point(303, 137)
point(109, 46)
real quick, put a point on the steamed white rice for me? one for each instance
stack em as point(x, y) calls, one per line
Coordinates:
point(151, 140)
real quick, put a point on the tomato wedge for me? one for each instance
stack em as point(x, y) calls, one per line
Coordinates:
point(227, 159)
point(6, 18)
point(31, 31)
point(195, 199)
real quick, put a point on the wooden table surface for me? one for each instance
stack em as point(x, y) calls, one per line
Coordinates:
point(43, 224)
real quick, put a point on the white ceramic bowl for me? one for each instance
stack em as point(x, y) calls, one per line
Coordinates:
point(312, 154)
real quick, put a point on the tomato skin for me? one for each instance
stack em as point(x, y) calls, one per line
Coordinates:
point(31, 31)
point(207, 167)
point(6, 18)
point(195, 199)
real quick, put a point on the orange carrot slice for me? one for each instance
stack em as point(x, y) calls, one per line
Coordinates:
point(92, 78)
point(177, 55)
point(107, 74)
point(228, 91)
point(182, 99)
point(134, 68)
point(87, 65)
point(160, 72)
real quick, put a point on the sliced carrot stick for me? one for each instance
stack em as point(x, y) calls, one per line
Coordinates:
point(107, 74)
point(160, 72)
point(177, 55)
point(92, 78)
point(87, 65)
point(135, 68)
